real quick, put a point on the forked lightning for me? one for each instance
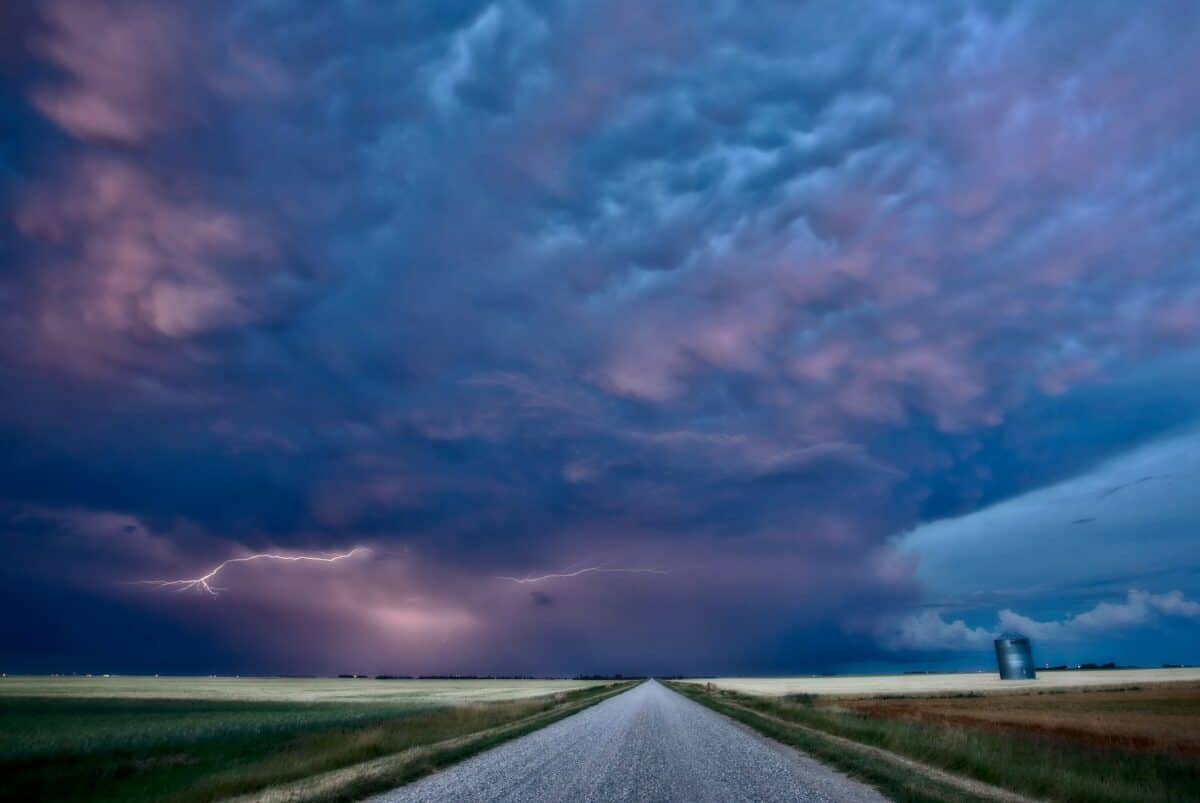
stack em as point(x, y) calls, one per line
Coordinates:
point(202, 583)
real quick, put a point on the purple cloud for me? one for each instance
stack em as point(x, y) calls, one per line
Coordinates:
point(503, 289)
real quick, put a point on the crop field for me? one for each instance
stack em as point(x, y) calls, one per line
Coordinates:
point(401, 691)
point(1092, 742)
point(956, 683)
point(200, 739)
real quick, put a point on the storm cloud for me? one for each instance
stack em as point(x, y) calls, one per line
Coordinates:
point(504, 289)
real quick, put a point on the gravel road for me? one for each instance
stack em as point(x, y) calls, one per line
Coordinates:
point(647, 744)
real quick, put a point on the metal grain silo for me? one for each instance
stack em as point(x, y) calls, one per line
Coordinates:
point(1014, 657)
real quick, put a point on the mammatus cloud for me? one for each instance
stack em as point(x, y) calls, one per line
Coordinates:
point(928, 631)
point(753, 293)
point(204, 581)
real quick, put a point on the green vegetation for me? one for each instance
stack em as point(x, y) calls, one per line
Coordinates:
point(129, 749)
point(1037, 765)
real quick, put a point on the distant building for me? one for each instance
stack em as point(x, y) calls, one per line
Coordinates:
point(1014, 657)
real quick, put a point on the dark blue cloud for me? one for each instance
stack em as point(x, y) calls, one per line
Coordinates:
point(501, 287)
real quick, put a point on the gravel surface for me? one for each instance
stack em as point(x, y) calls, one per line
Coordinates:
point(648, 744)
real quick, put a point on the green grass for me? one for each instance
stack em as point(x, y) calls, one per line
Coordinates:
point(128, 749)
point(1047, 768)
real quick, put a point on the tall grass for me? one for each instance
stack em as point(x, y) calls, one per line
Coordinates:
point(37, 728)
point(202, 750)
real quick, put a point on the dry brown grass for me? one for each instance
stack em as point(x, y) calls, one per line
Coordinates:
point(1161, 717)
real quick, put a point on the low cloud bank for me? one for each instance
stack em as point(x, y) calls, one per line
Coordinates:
point(928, 631)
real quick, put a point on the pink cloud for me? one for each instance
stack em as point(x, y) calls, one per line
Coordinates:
point(132, 70)
point(132, 254)
point(650, 373)
point(122, 65)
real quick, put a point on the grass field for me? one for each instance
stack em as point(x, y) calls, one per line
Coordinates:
point(288, 690)
point(184, 739)
point(1131, 744)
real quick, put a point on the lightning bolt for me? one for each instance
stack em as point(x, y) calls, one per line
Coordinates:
point(202, 583)
point(577, 572)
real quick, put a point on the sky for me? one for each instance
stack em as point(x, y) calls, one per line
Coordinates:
point(603, 336)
